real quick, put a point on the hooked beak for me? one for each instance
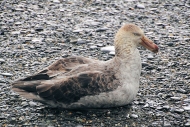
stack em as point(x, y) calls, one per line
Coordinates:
point(147, 43)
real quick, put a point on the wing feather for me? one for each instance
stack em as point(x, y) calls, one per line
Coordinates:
point(71, 89)
point(60, 66)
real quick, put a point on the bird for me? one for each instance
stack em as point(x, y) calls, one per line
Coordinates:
point(78, 82)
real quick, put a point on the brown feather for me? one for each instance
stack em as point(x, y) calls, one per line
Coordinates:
point(69, 84)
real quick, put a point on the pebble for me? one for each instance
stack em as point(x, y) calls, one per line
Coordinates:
point(134, 116)
point(100, 45)
point(24, 104)
point(187, 124)
point(18, 23)
point(112, 53)
point(179, 110)
point(77, 31)
point(187, 100)
point(15, 32)
point(166, 107)
point(32, 104)
point(101, 29)
point(2, 32)
point(36, 40)
point(170, 43)
point(140, 6)
point(108, 49)
point(150, 57)
point(6, 74)
point(80, 41)
point(167, 124)
point(2, 81)
point(176, 98)
point(93, 47)
point(2, 60)
point(56, 1)
point(187, 108)
point(79, 125)
point(39, 28)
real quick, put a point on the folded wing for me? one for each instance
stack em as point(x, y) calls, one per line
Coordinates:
point(67, 90)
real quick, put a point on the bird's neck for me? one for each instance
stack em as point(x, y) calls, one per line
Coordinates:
point(128, 68)
point(124, 47)
point(127, 55)
point(125, 51)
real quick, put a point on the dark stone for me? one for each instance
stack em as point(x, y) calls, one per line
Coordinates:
point(101, 29)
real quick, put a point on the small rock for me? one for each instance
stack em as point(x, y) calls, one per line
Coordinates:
point(176, 98)
point(73, 39)
point(101, 29)
point(2, 32)
point(159, 107)
point(31, 47)
point(31, 103)
point(27, 39)
point(150, 57)
point(56, 1)
point(187, 124)
point(18, 23)
point(181, 90)
point(155, 123)
point(6, 74)
point(15, 32)
point(187, 100)
point(166, 107)
point(140, 6)
point(39, 28)
point(62, 10)
point(167, 124)
point(134, 116)
point(108, 49)
point(150, 67)
point(100, 45)
point(94, 23)
point(179, 110)
point(93, 47)
point(30, 35)
point(187, 108)
point(80, 41)
point(77, 31)
point(79, 125)
point(170, 43)
point(2, 60)
point(19, 9)
point(2, 81)
point(24, 103)
point(112, 53)
point(36, 40)
point(144, 64)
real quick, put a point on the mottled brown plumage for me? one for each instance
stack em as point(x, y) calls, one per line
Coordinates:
point(67, 80)
point(79, 82)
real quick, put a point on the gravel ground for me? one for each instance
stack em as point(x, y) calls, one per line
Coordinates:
point(34, 33)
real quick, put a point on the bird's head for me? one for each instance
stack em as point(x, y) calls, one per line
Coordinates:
point(131, 36)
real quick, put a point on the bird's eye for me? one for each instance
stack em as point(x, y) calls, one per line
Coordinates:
point(136, 34)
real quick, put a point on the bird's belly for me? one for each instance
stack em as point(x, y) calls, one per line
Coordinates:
point(118, 97)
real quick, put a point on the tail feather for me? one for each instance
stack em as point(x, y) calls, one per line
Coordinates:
point(29, 90)
point(26, 89)
point(39, 76)
point(26, 94)
point(29, 86)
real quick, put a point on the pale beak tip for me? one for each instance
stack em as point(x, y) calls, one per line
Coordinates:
point(155, 49)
